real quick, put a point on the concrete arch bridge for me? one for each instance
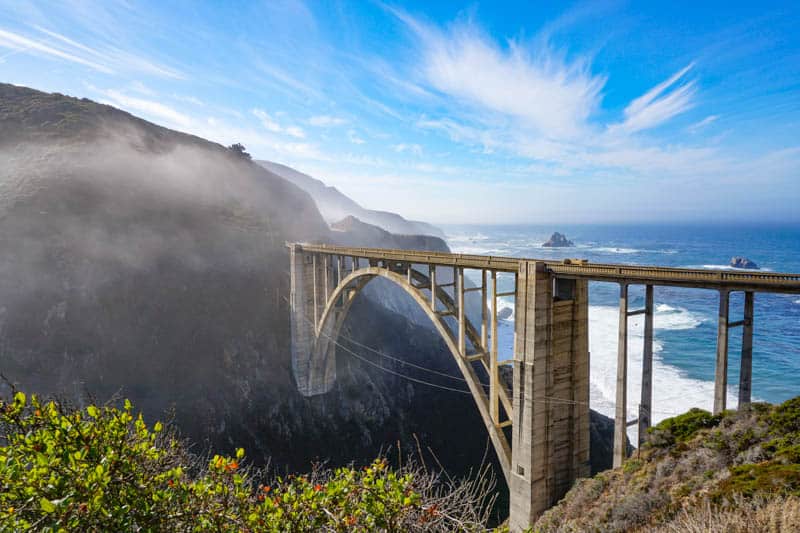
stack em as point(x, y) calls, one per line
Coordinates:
point(539, 430)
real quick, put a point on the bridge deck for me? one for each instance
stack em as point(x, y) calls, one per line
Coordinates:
point(755, 281)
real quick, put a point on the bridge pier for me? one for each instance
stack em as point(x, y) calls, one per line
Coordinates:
point(550, 437)
point(746, 368)
point(313, 364)
point(646, 403)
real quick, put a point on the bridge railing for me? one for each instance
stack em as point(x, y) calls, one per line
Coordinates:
point(758, 281)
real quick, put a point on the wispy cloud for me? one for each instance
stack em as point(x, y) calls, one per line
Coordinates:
point(658, 105)
point(106, 59)
point(537, 86)
point(325, 121)
point(272, 125)
point(412, 148)
point(354, 138)
point(151, 108)
point(20, 43)
point(697, 126)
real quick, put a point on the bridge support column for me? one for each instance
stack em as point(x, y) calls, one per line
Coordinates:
point(621, 414)
point(550, 436)
point(721, 374)
point(313, 365)
point(746, 369)
point(646, 403)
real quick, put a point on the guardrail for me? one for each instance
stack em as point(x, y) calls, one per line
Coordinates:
point(757, 281)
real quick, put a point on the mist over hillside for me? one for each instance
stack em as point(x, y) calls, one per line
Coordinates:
point(146, 263)
point(335, 206)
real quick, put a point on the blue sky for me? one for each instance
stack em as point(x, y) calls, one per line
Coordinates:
point(486, 112)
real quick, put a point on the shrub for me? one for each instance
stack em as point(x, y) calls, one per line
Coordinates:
point(682, 428)
point(104, 469)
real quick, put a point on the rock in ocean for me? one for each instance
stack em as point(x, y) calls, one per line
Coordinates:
point(558, 240)
point(743, 262)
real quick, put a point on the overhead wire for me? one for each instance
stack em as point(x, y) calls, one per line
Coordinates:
point(541, 398)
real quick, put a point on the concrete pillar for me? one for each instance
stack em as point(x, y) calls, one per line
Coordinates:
point(494, 377)
point(315, 286)
point(313, 369)
point(458, 288)
point(550, 431)
point(721, 375)
point(432, 269)
point(646, 403)
point(621, 415)
point(484, 323)
point(746, 370)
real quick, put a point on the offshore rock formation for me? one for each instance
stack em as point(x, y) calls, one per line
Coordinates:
point(558, 240)
point(743, 262)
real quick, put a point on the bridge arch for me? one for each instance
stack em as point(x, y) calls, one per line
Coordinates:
point(338, 305)
point(549, 415)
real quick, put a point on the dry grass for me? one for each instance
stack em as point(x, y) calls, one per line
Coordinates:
point(737, 472)
point(779, 515)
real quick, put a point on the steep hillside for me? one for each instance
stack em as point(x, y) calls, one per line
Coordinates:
point(736, 472)
point(335, 206)
point(144, 262)
point(350, 230)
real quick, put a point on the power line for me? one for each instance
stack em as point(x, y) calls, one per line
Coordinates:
point(390, 371)
point(546, 399)
point(402, 361)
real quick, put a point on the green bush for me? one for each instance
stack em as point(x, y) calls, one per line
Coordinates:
point(103, 469)
point(681, 428)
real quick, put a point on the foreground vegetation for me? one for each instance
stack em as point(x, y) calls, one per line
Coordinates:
point(103, 469)
point(737, 472)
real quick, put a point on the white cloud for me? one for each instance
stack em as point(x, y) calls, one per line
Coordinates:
point(295, 131)
point(267, 121)
point(108, 60)
point(152, 109)
point(410, 148)
point(697, 126)
point(538, 87)
point(141, 88)
point(20, 43)
point(658, 105)
point(324, 121)
point(272, 125)
point(354, 138)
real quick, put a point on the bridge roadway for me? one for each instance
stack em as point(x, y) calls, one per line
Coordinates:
point(733, 280)
point(546, 414)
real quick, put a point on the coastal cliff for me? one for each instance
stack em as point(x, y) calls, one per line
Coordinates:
point(738, 471)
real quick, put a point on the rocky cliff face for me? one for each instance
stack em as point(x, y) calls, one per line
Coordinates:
point(144, 263)
point(151, 264)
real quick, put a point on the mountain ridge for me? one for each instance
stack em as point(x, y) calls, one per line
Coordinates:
point(334, 205)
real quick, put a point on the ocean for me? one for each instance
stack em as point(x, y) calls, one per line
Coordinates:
point(685, 324)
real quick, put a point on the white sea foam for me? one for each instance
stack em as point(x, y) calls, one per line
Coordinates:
point(668, 317)
point(673, 391)
point(610, 250)
point(729, 267)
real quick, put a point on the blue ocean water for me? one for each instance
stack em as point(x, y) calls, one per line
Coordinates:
point(685, 319)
